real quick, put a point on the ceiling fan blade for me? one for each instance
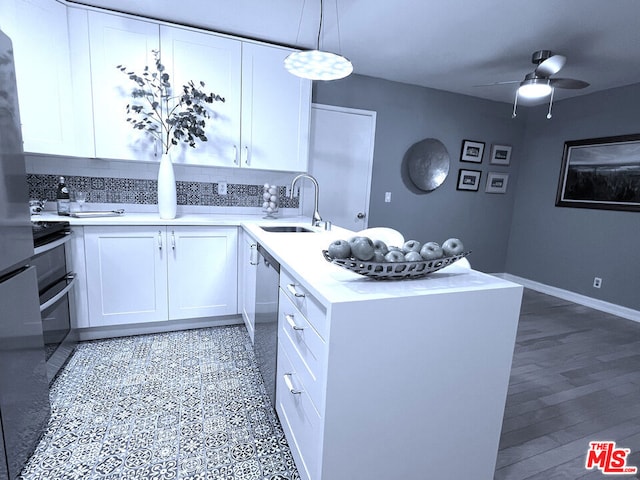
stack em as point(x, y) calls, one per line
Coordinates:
point(568, 83)
point(497, 83)
point(550, 66)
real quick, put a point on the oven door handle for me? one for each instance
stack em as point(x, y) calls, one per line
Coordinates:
point(50, 246)
point(61, 293)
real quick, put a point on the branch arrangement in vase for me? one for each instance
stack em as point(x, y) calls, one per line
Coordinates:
point(167, 117)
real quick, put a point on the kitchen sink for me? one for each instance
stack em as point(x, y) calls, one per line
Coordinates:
point(285, 229)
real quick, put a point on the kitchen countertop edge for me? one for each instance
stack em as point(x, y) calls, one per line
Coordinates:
point(301, 255)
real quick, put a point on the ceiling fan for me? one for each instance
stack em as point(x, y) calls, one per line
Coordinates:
point(538, 84)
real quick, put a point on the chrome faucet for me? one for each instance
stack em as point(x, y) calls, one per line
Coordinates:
point(317, 219)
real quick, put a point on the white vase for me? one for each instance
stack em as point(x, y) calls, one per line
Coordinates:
point(167, 197)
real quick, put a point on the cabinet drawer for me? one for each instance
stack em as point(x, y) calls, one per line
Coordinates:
point(313, 310)
point(307, 351)
point(300, 420)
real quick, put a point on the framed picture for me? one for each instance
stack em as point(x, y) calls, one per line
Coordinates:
point(500, 154)
point(497, 182)
point(469, 179)
point(601, 173)
point(472, 151)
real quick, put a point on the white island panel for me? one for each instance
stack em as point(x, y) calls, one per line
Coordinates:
point(416, 386)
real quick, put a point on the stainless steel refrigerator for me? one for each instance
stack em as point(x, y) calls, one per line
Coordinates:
point(24, 387)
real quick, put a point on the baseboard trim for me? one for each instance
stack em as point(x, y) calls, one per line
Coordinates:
point(612, 308)
point(112, 331)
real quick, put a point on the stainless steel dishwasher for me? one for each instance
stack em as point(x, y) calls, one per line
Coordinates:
point(266, 328)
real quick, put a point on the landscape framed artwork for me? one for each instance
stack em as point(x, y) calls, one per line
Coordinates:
point(601, 173)
point(469, 180)
point(496, 182)
point(472, 151)
point(500, 154)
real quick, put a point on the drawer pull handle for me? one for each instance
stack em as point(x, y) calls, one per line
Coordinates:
point(292, 288)
point(292, 323)
point(289, 384)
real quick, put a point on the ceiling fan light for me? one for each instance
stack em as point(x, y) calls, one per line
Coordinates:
point(318, 65)
point(535, 88)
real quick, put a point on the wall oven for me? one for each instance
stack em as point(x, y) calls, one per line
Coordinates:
point(55, 285)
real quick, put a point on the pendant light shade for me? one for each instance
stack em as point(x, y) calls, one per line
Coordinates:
point(318, 64)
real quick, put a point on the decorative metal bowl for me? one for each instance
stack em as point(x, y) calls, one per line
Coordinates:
point(393, 270)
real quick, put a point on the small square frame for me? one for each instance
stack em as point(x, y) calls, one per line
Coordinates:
point(497, 182)
point(472, 151)
point(500, 154)
point(469, 180)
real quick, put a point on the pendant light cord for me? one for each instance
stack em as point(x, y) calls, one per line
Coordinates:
point(304, 2)
point(338, 28)
point(320, 25)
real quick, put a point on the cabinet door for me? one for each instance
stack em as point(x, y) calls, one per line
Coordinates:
point(116, 40)
point(203, 271)
point(126, 274)
point(247, 282)
point(82, 118)
point(38, 30)
point(276, 109)
point(195, 56)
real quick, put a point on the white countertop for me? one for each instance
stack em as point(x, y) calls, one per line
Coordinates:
point(194, 219)
point(301, 255)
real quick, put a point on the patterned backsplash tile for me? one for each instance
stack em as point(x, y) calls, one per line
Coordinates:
point(144, 192)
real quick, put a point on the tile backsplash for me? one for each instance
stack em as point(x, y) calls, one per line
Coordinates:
point(133, 185)
point(134, 191)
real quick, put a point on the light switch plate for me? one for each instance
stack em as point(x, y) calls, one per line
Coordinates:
point(222, 188)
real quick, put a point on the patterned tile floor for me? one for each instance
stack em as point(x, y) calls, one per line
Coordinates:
point(180, 405)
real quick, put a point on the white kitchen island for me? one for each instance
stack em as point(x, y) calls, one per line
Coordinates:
point(390, 379)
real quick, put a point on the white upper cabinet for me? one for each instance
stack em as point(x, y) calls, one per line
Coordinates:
point(73, 98)
point(276, 109)
point(38, 30)
point(195, 56)
point(113, 41)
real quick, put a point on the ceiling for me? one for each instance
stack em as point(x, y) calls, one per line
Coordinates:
point(450, 45)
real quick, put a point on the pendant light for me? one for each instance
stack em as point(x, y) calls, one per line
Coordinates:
point(318, 64)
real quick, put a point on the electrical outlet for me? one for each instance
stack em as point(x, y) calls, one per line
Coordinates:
point(597, 282)
point(387, 197)
point(222, 188)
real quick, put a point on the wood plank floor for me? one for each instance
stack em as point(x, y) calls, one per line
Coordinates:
point(575, 378)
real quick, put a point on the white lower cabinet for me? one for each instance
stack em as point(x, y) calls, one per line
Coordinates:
point(298, 416)
point(149, 274)
point(301, 373)
point(247, 267)
point(203, 272)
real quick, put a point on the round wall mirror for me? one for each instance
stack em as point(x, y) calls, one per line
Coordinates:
point(427, 164)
